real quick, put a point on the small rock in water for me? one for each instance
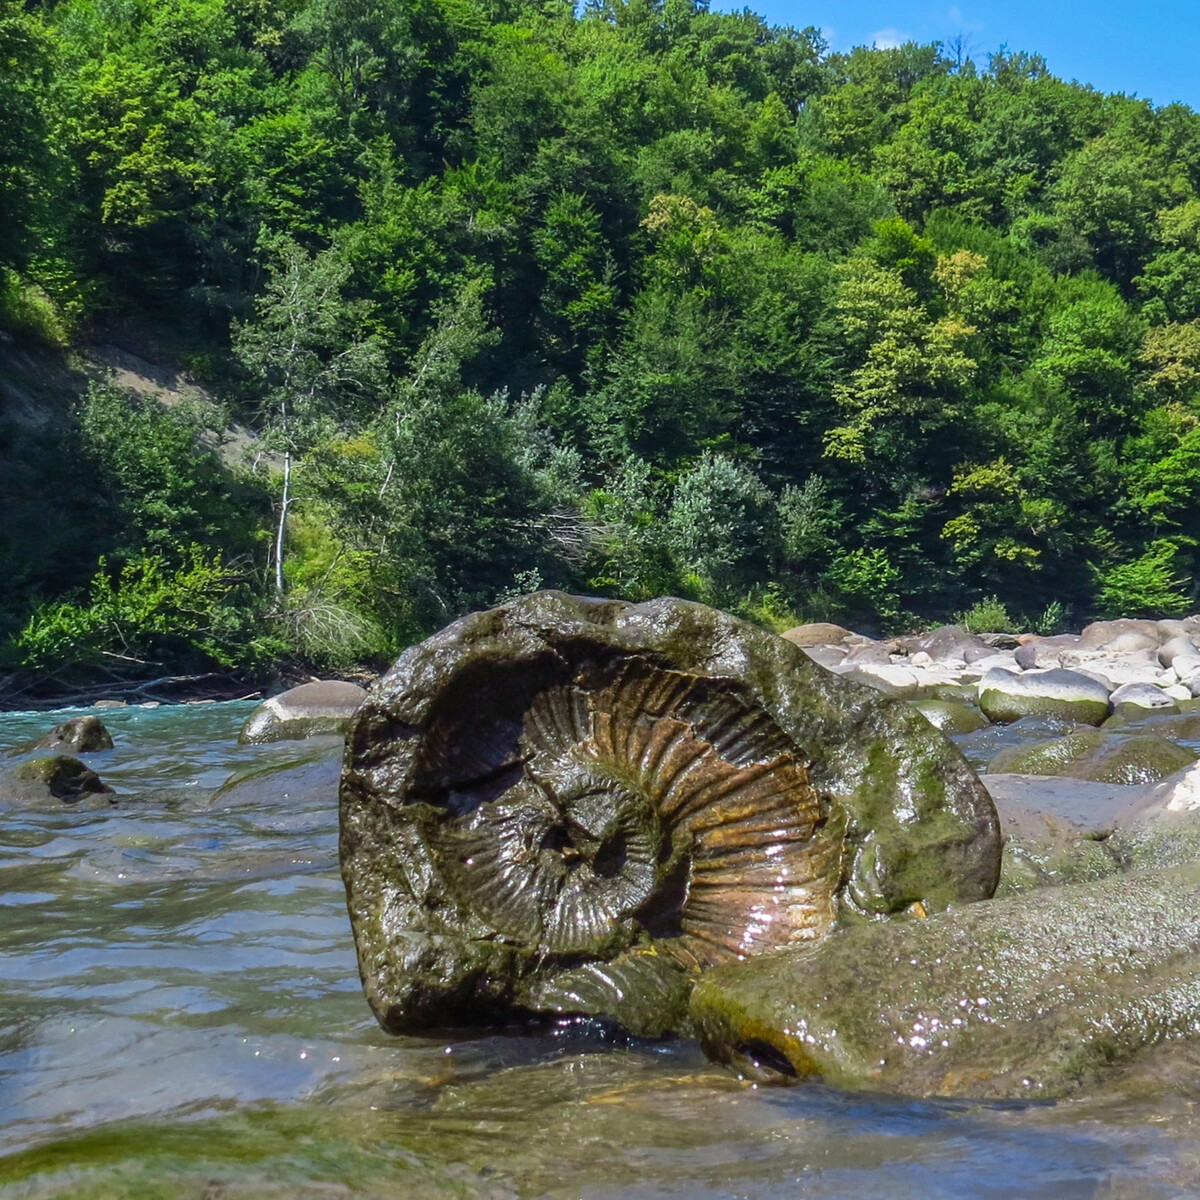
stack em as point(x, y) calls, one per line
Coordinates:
point(55, 779)
point(110, 703)
point(305, 711)
point(951, 716)
point(1099, 757)
point(1145, 696)
point(80, 735)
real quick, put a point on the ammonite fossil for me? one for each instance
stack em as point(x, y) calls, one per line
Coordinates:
point(574, 805)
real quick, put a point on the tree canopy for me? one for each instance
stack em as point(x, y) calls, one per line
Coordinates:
point(631, 297)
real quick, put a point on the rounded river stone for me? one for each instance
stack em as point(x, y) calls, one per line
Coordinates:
point(1007, 696)
point(310, 710)
point(1100, 757)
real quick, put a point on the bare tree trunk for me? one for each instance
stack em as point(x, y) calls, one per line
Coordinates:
point(283, 511)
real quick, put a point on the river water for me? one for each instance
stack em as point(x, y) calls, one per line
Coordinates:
point(180, 1017)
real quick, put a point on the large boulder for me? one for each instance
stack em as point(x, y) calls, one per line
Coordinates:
point(949, 643)
point(1099, 757)
point(1043, 652)
point(1006, 696)
point(576, 805)
point(1023, 998)
point(820, 633)
point(305, 711)
point(1122, 636)
point(50, 781)
point(79, 735)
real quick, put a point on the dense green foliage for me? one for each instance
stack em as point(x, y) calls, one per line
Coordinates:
point(633, 298)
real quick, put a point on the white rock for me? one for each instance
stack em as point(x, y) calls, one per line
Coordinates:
point(1186, 666)
point(1114, 672)
point(1178, 691)
point(1003, 661)
point(1171, 650)
point(921, 659)
point(1181, 792)
point(1143, 695)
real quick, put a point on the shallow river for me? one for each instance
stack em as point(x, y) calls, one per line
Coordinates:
point(180, 1017)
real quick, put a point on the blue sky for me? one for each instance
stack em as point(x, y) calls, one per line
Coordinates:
point(1151, 49)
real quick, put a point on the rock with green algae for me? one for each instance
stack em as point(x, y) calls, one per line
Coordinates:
point(79, 735)
point(1007, 695)
point(1030, 997)
point(51, 780)
point(314, 709)
point(576, 805)
point(951, 716)
point(1100, 757)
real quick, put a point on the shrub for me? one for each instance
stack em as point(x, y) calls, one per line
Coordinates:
point(867, 582)
point(1146, 587)
point(1051, 621)
point(987, 616)
point(151, 614)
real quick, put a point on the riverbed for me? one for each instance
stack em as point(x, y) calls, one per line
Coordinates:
point(181, 1016)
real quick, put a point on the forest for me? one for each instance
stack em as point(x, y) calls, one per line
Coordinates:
point(633, 298)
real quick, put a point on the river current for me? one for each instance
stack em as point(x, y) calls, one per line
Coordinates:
point(181, 1017)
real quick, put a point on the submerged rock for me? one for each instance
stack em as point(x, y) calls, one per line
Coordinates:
point(1028, 997)
point(305, 711)
point(80, 735)
point(574, 805)
point(1096, 756)
point(293, 781)
point(50, 779)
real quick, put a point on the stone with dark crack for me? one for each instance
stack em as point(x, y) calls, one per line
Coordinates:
point(569, 805)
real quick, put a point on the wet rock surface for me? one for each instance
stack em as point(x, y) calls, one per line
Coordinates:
point(1101, 757)
point(79, 735)
point(306, 779)
point(573, 805)
point(310, 710)
point(1028, 997)
point(51, 780)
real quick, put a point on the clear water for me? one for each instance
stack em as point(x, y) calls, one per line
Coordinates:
point(180, 1017)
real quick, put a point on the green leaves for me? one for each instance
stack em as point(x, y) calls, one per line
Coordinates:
point(147, 615)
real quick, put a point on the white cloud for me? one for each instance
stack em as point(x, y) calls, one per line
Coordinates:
point(888, 39)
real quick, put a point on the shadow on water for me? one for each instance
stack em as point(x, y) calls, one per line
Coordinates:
point(180, 1017)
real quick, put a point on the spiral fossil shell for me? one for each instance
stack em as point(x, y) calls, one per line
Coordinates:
point(647, 799)
point(578, 805)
